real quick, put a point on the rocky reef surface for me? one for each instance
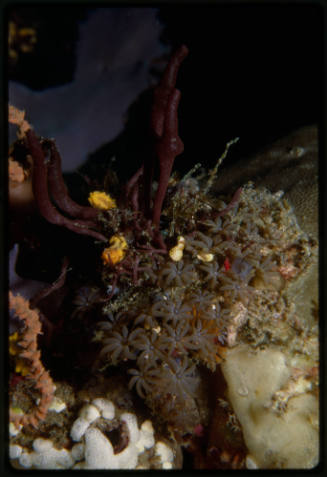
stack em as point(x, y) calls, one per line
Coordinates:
point(274, 388)
point(224, 305)
point(166, 322)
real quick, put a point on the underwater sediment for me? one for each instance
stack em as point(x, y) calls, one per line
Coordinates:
point(162, 291)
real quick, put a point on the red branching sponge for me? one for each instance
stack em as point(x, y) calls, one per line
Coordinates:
point(41, 191)
point(48, 183)
point(59, 192)
point(166, 144)
point(164, 124)
point(31, 354)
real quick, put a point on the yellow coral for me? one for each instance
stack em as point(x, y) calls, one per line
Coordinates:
point(22, 367)
point(17, 410)
point(13, 343)
point(116, 252)
point(20, 40)
point(101, 200)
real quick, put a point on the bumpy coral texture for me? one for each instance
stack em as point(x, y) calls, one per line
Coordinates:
point(193, 307)
point(28, 362)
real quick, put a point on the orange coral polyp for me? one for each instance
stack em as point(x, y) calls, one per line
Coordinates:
point(116, 252)
point(111, 256)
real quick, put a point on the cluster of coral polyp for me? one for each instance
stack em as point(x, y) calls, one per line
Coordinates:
point(180, 273)
point(191, 307)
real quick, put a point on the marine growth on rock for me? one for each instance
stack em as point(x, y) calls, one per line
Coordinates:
point(157, 281)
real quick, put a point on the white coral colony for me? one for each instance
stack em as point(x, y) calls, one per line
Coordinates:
point(92, 449)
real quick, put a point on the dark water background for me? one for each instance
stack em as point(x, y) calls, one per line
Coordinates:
point(253, 71)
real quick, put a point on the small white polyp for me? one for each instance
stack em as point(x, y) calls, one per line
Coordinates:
point(106, 407)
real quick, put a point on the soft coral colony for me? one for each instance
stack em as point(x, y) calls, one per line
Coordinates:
point(180, 273)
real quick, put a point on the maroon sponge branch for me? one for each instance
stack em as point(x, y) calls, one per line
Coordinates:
point(41, 192)
point(59, 192)
point(167, 148)
point(164, 125)
point(234, 200)
point(164, 89)
point(133, 180)
point(131, 189)
point(56, 285)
